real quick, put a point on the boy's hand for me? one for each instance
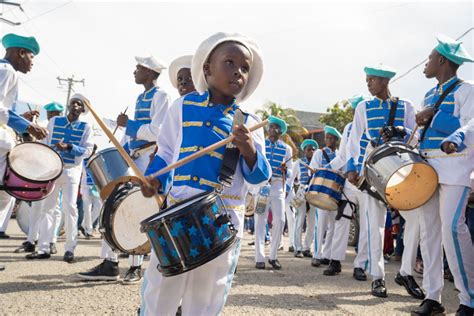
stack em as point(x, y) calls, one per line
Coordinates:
point(122, 120)
point(449, 147)
point(423, 117)
point(152, 189)
point(244, 142)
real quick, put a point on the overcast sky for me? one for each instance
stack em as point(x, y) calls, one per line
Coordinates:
point(314, 53)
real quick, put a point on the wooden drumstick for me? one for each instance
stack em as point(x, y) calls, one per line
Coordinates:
point(204, 151)
point(412, 135)
point(116, 127)
point(122, 151)
point(307, 166)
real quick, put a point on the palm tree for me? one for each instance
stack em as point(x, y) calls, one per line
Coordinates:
point(296, 131)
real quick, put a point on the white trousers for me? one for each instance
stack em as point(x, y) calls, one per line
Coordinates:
point(91, 206)
point(362, 258)
point(325, 221)
point(7, 202)
point(7, 142)
point(411, 239)
point(68, 184)
point(342, 226)
point(277, 205)
point(445, 212)
point(376, 217)
point(290, 219)
point(202, 291)
point(310, 216)
point(34, 215)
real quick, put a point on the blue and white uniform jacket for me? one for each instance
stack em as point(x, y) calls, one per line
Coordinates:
point(278, 153)
point(369, 118)
point(319, 161)
point(191, 124)
point(340, 161)
point(302, 172)
point(455, 111)
point(150, 110)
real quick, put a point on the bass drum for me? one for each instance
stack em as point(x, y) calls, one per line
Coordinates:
point(23, 210)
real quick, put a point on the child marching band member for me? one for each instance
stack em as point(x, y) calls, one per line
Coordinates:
point(180, 74)
point(373, 119)
point(72, 138)
point(305, 210)
point(140, 142)
point(278, 154)
point(226, 69)
point(445, 211)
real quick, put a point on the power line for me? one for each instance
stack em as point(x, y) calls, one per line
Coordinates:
point(34, 89)
point(46, 12)
point(424, 60)
point(70, 83)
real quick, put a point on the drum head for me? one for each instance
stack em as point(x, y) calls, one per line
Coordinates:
point(132, 210)
point(35, 161)
point(411, 186)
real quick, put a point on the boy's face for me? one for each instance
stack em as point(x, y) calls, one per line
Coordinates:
point(185, 81)
point(330, 140)
point(51, 114)
point(76, 108)
point(433, 64)
point(140, 74)
point(25, 61)
point(228, 67)
point(308, 151)
point(376, 85)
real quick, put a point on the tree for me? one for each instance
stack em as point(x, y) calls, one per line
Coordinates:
point(295, 131)
point(339, 115)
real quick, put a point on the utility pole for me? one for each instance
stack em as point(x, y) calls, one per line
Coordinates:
point(70, 83)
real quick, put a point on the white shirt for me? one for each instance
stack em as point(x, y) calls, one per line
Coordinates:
point(8, 90)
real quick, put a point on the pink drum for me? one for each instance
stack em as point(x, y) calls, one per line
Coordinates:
point(31, 171)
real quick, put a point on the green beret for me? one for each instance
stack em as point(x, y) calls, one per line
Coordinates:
point(331, 130)
point(452, 50)
point(307, 142)
point(53, 106)
point(356, 99)
point(29, 43)
point(278, 121)
point(380, 71)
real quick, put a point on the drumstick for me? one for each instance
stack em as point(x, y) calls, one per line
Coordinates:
point(116, 127)
point(412, 135)
point(204, 151)
point(122, 151)
point(307, 166)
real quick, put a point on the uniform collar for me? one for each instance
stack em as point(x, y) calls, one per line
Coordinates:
point(446, 84)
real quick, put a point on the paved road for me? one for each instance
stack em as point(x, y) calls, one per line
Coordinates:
point(52, 287)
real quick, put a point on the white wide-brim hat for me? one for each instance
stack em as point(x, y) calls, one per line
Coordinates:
point(151, 62)
point(84, 100)
point(205, 49)
point(178, 64)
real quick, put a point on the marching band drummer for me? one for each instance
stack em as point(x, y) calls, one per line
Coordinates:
point(140, 142)
point(19, 55)
point(180, 74)
point(325, 220)
point(303, 175)
point(352, 197)
point(279, 155)
point(372, 118)
point(445, 211)
point(72, 138)
point(226, 69)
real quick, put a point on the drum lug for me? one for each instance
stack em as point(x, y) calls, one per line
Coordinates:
point(223, 219)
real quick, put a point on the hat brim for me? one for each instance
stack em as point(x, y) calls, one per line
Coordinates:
point(205, 49)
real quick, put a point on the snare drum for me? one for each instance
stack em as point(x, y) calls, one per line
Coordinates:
point(108, 169)
point(120, 219)
point(190, 233)
point(33, 166)
point(262, 199)
point(325, 189)
point(400, 176)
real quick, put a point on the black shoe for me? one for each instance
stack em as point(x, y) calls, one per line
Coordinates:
point(82, 230)
point(25, 247)
point(410, 285)
point(325, 261)
point(38, 255)
point(260, 265)
point(378, 288)
point(299, 254)
point(448, 275)
point(334, 268)
point(133, 275)
point(359, 274)
point(307, 254)
point(88, 236)
point(315, 262)
point(4, 236)
point(291, 249)
point(52, 249)
point(2, 267)
point(275, 264)
point(428, 308)
point(123, 255)
point(106, 271)
point(252, 243)
point(68, 257)
point(464, 310)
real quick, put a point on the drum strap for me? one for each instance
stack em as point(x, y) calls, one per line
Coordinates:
point(23, 189)
point(326, 156)
point(436, 106)
point(231, 155)
point(393, 111)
